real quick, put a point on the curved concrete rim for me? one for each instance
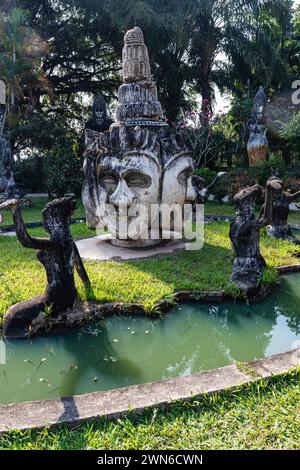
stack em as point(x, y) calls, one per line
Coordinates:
point(117, 402)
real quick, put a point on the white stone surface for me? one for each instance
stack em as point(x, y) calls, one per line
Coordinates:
point(99, 249)
point(7, 234)
point(36, 195)
point(293, 207)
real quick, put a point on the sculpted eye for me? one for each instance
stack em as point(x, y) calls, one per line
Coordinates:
point(138, 180)
point(108, 181)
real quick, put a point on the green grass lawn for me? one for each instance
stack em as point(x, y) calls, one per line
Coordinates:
point(265, 415)
point(140, 281)
point(34, 214)
point(227, 209)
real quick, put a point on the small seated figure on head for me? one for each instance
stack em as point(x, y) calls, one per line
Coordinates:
point(99, 121)
point(58, 255)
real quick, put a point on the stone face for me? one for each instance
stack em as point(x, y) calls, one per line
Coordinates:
point(58, 255)
point(245, 239)
point(139, 162)
point(256, 127)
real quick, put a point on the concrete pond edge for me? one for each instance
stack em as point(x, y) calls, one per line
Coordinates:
point(117, 402)
point(135, 399)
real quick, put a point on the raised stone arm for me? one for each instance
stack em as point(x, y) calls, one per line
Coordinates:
point(25, 239)
point(214, 181)
point(81, 269)
point(293, 197)
point(203, 192)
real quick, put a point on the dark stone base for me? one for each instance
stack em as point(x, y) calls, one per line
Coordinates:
point(247, 273)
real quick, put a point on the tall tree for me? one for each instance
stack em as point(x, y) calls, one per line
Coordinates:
point(235, 28)
point(21, 51)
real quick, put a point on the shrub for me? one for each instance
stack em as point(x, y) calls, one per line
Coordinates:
point(232, 183)
point(64, 173)
point(291, 132)
point(207, 174)
point(30, 174)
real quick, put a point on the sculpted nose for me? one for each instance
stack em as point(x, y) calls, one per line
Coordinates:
point(122, 195)
point(190, 191)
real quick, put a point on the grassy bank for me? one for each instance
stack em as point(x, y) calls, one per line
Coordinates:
point(264, 415)
point(227, 209)
point(34, 213)
point(142, 281)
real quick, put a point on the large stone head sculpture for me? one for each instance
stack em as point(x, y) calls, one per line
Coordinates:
point(140, 163)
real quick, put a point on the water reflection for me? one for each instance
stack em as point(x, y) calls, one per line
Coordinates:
point(120, 351)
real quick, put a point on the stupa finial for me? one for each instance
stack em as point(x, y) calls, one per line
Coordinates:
point(136, 64)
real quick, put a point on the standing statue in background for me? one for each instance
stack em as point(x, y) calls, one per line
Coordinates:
point(281, 200)
point(99, 121)
point(7, 181)
point(256, 128)
point(58, 255)
point(245, 238)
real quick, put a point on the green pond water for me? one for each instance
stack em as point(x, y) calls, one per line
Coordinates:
point(121, 351)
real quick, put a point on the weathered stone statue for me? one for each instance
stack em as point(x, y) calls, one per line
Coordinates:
point(138, 94)
point(99, 121)
point(6, 163)
point(281, 200)
point(245, 237)
point(7, 181)
point(256, 128)
point(139, 163)
point(58, 255)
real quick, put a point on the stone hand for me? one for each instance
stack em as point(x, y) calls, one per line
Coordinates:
point(13, 204)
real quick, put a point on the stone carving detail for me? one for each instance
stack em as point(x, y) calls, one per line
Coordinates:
point(138, 95)
point(139, 161)
point(281, 200)
point(58, 255)
point(245, 238)
point(256, 127)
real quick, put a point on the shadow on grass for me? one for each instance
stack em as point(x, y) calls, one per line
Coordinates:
point(206, 269)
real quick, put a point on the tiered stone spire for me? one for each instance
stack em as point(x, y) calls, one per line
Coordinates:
point(138, 95)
